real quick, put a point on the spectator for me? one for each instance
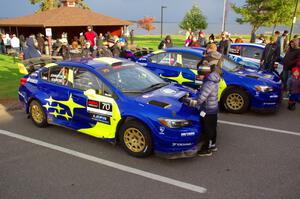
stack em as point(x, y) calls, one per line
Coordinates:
point(6, 41)
point(32, 49)
point(195, 42)
point(2, 47)
point(201, 39)
point(188, 41)
point(238, 40)
point(22, 42)
point(82, 40)
point(90, 36)
point(213, 57)
point(131, 36)
point(293, 86)
point(224, 44)
point(282, 42)
point(41, 42)
point(261, 39)
point(86, 51)
point(211, 39)
point(207, 104)
point(270, 55)
point(74, 50)
point(113, 47)
point(15, 44)
point(100, 40)
point(166, 43)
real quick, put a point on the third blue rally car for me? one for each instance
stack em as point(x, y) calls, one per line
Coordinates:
point(113, 99)
point(240, 87)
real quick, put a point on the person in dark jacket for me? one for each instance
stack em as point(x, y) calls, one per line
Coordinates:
point(41, 42)
point(167, 43)
point(31, 51)
point(224, 44)
point(270, 55)
point(207, 104)
point(202, 41)
point(114, 48)
point(293, 86)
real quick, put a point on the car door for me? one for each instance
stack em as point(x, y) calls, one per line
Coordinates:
point(166, 65)
point(189, 70)
point(55, 84)
point(101, 113)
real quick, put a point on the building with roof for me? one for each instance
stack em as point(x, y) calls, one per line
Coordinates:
point(68, 18)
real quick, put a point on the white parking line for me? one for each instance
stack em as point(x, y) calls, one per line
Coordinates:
point(259, 127)
point(114, 165)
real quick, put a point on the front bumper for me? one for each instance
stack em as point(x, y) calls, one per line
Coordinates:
point(266, 101)
point(180, 154)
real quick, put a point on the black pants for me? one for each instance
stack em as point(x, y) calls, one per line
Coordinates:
point(209, 130)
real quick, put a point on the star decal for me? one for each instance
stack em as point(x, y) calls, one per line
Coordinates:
point(58, 108)
point(50, 100)
point(180, 79)
point(47, 106)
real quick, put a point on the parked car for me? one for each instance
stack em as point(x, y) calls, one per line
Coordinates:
point(116, 100)
point(240, 87)
point(249, 55)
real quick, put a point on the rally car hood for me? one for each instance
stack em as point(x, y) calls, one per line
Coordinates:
point(167, 98)
point(258, 74)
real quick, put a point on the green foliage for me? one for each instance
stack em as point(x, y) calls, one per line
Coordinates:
point(50, 4)
point(193, 20)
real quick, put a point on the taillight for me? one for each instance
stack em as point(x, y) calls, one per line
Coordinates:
point(23, 81)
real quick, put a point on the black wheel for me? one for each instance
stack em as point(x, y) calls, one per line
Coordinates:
point(235, 100)
point(37, 114)
point(135, 139)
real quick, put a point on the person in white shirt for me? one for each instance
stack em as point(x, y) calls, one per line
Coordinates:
point(15, 43)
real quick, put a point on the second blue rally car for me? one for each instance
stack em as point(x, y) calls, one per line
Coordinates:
point(240, 87)
point(116, 100)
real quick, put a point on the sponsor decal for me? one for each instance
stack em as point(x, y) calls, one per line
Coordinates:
point(187, 134)
point(182, 144)
point(161, 130)
point(93, 104)
point(101, 118)
point(97, 107)
point(168, 91)
point(33, 81)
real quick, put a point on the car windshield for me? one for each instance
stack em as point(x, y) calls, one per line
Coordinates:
point(132, 78)
point(230, 65)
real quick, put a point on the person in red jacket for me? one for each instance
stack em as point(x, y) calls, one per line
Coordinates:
point(90, 36)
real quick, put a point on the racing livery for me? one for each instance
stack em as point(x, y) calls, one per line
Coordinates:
point(240, 87)
point(116, 100)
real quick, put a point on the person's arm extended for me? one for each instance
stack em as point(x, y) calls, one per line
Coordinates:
point(205, 91)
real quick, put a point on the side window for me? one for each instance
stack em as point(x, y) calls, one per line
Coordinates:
point(85, 80)
point(169, 59)
point(251, 52)
point(190, 61)
point(45, 74)
point(235, 50)
point(60, 75)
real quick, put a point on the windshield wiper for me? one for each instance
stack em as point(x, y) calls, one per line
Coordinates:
point(155, 86)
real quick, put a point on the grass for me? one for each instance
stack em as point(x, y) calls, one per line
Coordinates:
point(9, 78)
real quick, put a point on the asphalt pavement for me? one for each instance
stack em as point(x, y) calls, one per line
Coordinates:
point(258, 157)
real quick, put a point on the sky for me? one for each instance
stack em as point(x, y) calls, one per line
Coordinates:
point(136, 9)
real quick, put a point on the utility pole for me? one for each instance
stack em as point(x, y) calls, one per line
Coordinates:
point(294, 20)
point(161, 20)
point(224, 15)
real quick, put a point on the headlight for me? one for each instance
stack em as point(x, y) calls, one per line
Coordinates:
point(174, 123)
point(263, 88)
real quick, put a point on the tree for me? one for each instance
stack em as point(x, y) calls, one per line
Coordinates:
point(255, 12)
point(193, 20)
point(50, 4)
point(147, 23)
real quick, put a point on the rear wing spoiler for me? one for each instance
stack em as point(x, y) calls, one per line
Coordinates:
point(30, 65)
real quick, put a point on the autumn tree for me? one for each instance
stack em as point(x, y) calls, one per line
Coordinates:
point(193, 20)
point(50, 4)
point(147, 23)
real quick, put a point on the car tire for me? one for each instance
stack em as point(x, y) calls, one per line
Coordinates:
point(37, 114)
point(235, 100)
point(135, 139)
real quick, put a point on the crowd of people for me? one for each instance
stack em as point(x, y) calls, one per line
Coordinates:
point(86, 44)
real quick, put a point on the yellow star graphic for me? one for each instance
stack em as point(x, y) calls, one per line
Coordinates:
point(66, 116)
point(179, 79)
point(47, 106)
point(59, 108)
point(70, 104)
point(50, 100)
point(55, 114)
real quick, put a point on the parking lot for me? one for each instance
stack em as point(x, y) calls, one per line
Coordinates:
point(258, 157)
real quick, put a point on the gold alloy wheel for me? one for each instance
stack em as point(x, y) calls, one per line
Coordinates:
point(37, 113)
point(134, 140)
point(235, 101)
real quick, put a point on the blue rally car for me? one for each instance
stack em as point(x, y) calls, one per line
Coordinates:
point(240, 87)
point(113, 99)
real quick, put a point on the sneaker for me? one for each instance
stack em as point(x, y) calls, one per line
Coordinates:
point(292, 106)
point(204, 153)
point(213, 149)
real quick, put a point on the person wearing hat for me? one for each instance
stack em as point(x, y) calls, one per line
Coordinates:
point(201, 39)
point(224, 44)
point(207, 104)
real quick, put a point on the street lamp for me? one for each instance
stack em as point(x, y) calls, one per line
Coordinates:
point(161, 20)
point(294, 19)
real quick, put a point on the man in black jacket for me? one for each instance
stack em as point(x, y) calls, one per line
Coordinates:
point(224, 44)
point(270, 55)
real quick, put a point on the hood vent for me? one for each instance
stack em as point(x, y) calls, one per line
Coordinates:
point(160, 104)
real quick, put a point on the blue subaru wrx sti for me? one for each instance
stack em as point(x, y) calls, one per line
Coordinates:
point(240, 87)
point(116, 100)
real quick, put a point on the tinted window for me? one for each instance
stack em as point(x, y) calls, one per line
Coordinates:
point(190, 61)
point(169, 59)
point(235, 50)
point(59, 75)
point(251, 52)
